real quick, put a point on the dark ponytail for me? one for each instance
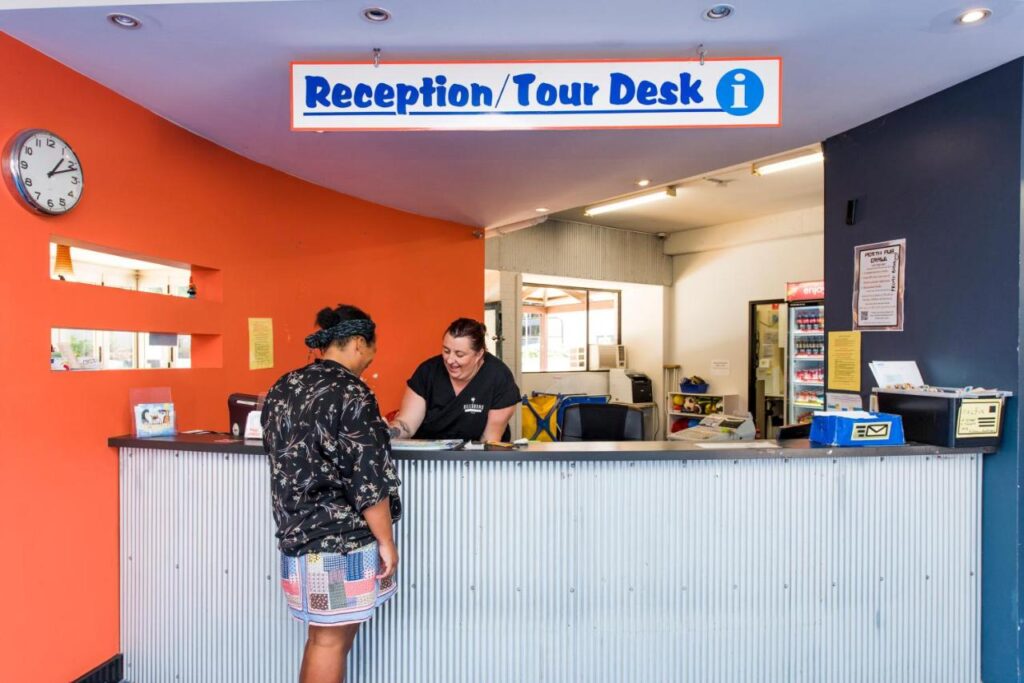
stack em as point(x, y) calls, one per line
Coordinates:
point(473, 330)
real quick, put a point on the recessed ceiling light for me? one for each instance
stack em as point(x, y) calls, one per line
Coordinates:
point(542, 209)
point(716, 12)
point(124, 20)
point(973, 16)
point(376, 14)
point(643, 182)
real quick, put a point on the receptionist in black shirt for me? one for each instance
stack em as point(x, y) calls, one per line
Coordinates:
point(465, 393)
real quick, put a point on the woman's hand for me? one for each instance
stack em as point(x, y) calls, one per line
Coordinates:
point(388, 560)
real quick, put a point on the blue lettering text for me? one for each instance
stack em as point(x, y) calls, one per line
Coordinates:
point(317, 89)
point(363, 95)
point(384, 96)
point(341, 95)
point(407, 95)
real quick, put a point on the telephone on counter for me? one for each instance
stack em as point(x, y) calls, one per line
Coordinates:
point(719, 428)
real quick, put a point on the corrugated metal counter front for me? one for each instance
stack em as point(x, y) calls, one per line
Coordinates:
point(586, 562)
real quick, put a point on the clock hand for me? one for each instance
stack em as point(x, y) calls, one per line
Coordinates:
point(54, 169)
point(66, 170)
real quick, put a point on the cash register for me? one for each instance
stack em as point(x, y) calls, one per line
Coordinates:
point(719, 428)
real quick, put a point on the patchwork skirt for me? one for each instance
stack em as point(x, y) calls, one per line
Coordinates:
point(331, 589)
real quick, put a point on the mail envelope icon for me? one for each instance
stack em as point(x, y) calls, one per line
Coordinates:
point(871, 431)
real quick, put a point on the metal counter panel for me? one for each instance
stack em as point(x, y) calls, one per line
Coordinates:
point(850, 569)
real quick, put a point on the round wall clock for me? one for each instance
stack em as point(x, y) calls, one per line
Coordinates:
point(43, 172)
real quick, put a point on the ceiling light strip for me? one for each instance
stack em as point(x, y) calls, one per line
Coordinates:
point(630, 202)
point(775, 165)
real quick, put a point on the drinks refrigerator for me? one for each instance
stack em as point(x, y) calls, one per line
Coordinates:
point(806, 359)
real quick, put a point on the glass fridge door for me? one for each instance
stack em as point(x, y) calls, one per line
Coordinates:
point(807, 361)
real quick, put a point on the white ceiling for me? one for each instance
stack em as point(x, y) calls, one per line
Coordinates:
point(723, 196)
point(221, 70)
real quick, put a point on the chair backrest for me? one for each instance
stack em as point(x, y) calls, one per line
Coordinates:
point(596, 422)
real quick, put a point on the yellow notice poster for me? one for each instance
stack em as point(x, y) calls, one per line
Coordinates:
point(261, 343)
point(844, 361)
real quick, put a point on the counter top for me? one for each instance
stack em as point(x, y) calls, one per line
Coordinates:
point(573, 451)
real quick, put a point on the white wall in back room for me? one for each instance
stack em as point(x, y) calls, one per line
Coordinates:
point(714, 286)
point(643, 335)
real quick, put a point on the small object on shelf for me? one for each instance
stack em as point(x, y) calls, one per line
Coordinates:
point(694, 385)
point(191, 288)
point(62, 264)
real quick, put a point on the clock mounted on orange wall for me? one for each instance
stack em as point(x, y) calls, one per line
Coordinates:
point(43, 172)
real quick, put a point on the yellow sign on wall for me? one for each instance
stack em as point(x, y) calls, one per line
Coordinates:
point(844, 361)
point(261, 343)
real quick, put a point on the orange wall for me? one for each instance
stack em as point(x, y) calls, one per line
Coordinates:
point(284, 248)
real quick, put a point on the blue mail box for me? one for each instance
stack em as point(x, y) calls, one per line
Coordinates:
point(858, 429)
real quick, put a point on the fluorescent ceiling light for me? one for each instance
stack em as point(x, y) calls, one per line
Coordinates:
point(631, 201)
point(775, 165)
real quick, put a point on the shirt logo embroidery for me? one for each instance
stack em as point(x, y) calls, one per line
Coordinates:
point(473, 406)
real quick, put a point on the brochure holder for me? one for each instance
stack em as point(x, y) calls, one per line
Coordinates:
point(152, 412)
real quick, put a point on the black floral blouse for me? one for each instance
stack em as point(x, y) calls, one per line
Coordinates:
point(330, 459)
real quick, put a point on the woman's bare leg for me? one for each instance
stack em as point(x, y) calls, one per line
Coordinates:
point(327, 648)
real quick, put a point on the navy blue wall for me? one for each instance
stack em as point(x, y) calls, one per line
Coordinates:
point(945, 173)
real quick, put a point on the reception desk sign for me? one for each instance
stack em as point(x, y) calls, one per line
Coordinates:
point(537, 95)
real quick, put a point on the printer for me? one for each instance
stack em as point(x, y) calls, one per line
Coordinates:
point(719, 428)
point(629, 386)
point(239, 407)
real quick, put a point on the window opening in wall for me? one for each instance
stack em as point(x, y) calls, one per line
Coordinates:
point(93, 267)
point(559, 324)
point(75, 349)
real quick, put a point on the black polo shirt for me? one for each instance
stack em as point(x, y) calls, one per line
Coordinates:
point(464, 416)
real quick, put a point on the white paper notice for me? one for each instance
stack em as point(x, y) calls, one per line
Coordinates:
point(878, 285)
point(890, 373)
point(720, 368)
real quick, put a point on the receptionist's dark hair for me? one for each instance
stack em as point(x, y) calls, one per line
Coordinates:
point(474, 330)
point(340, 324)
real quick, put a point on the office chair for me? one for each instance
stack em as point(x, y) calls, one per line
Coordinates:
point(597, 422)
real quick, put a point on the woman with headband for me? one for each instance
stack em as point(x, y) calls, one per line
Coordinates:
point(334, 491)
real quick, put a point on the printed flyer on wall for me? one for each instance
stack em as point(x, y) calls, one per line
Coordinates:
point(878, 286)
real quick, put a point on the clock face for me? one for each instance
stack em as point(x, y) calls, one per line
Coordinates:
point(43, 171)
